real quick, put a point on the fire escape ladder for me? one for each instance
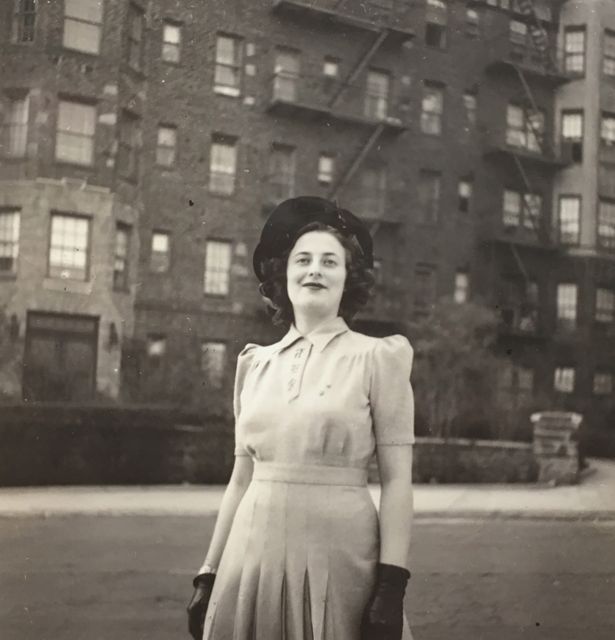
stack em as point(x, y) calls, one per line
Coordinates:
point(358, 68)
point(539, 35)
point(519, 262)
point(356, 163)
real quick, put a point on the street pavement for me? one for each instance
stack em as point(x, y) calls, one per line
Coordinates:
point(488, 562)
point(592, 498)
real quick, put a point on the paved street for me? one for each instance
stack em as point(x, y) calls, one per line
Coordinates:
point(128, 578)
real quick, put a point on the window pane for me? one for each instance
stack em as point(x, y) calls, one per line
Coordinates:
point(569, 219)
point(281, 173)
point(511, 208)
point(217, 267)
point(87, 10)
point(171, 33)
point(9, 241)
point(222, 168)
point(566, 305)
point(572, 126)
point(160, 254)
point(564, 379)
point(606, 224)
point(213, 361)
point(605, 305)
point(69, 246)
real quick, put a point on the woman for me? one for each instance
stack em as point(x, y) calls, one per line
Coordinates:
point(298, 550)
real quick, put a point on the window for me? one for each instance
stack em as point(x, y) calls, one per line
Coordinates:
point(14, 138)
point(128, 151)
point(436, 19)
point(569, 218)
point(572, 133)
point(566, 306)
point(217, 267)
point(330, 67)
point(83, 25)
point(281, 173)
point(603, 383)
point(464, 192)
point(607, 129)
point(515, 386)
point(574, 49)
point(223, 165)
point(120, 257)
point(563, 380)
point(135, 37)
point(605, 305)
point(429, 196)
point(532, 211)
point(372, 192)
point(9, 240)
point(69, 247)
point(171, 41)
point(606, 224)
point(608, 53)
point(326, 168)
point(470, 106)
point(166, 146)
point(156, 346)
point(518, 33)
point(606, 178)
point(160, 256)
point(376, 95)
point(519, 305)
point(424, 288)
point(462, 287)
point(213, 363)
point(511, 208)
point(286, 75)
point(432, 107)
point(75, 132)
point(472, 23)
point(525, 129)
point(24, 20)
point(227, 74)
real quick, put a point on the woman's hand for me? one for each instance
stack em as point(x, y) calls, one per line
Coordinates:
point(197, 608)
point(383, 616)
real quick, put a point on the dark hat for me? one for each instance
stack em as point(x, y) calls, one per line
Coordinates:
point(280, 231)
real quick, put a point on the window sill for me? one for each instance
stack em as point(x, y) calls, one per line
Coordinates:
point(216, 296)
point(8, 276)
point(228, 92)
point(75, 165)
point(89, 54)
point(223, 196)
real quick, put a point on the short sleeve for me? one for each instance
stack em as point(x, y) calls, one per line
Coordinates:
point(390, 396)
point(244, 361)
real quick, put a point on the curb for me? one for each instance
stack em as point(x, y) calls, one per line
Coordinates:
point(555, 515)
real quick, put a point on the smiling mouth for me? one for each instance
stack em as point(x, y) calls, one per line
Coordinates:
point(313, 285)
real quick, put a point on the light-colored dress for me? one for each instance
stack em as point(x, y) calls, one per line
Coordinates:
point(300, 559)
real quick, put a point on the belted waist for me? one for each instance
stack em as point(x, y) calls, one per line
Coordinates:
point(309, 474)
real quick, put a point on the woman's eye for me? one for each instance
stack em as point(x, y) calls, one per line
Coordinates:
point(330, 262)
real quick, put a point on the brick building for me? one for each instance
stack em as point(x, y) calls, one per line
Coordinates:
point(143, 143)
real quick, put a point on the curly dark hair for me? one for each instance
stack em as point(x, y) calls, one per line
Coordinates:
point(357, 288)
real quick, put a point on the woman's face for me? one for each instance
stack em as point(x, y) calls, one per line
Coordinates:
point(316, 273)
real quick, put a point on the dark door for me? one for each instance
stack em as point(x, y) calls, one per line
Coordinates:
point(60, 357)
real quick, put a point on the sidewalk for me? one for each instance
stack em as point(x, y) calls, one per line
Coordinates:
point(593, 498)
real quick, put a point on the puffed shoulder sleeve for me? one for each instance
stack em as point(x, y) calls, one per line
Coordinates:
point(391, 397)
point(244, 361)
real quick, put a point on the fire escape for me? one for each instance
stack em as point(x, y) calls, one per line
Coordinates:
point(324, 99)
point(532, 59)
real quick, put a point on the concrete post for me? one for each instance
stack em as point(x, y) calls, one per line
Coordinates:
point(556, 447)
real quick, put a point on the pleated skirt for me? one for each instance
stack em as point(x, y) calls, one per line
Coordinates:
point(300, 559)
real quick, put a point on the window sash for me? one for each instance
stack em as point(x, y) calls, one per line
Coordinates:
point(135, 38)
point(213, 362)
point(9, 240)
point(605, 305)
point(217, 267)
point(462, 287)
point(14, 138)
point(563, 379)
point(574, 50)
point(223, 167)
point(120, 258)
point(171, 42)
point(160, 253)
point(606, 224)
point(326, 168)
point(69, 247)
point(470, 105)
point(281, 177)
point(286, 76)
point(569, 220)
point(83, 25)
point(429, 188)
point(532, 210)
point(227, 72)
point(377, 95)
point(602, 384)
point(166, 146)
point(572, 126)
point(607, 129)
point(24, 20)
point(75, 133)
point(567, 304)
point(511, 208)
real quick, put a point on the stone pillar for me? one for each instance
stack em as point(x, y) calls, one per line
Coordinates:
point(556, 446)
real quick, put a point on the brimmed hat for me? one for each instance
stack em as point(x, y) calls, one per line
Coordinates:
point(280, 231)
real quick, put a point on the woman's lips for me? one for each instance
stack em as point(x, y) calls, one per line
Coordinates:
point(314, 285)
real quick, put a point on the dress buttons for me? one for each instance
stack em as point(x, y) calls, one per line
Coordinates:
point(294, 371)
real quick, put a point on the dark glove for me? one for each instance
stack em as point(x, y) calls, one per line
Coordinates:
point(197, 607)
point(383, 616)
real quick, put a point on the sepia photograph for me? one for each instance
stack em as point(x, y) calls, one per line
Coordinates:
point(307, 319)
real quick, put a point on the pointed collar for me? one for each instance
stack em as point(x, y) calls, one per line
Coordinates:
point(319, 337)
